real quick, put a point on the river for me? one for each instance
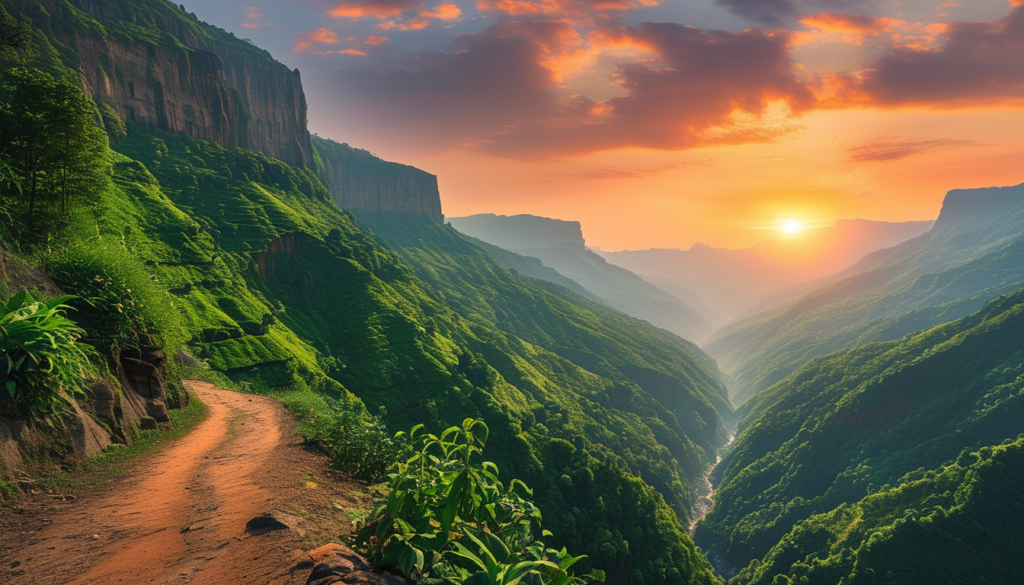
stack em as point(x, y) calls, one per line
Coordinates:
point(704, 491)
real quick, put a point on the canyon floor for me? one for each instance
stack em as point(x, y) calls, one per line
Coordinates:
point(180, 514)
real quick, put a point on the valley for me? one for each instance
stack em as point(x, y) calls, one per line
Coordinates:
point(396, 395)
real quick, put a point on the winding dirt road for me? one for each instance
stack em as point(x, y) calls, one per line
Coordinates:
point(180, 514)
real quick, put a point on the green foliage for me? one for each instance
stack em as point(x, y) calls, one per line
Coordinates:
point(857, 422)
point(959, 523)
point(59, 157)
point(121, 298)
point(447, 519)
point(360, 445)
point(42, 362)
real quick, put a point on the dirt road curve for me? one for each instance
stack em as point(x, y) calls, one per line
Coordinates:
point(179, 516)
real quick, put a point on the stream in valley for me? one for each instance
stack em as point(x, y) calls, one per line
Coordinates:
point(704, 491)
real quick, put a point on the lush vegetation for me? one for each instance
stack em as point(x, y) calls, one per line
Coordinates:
point(959, 523)
point(974, 254)
point(57, 155)
point(42, 363)
point(448, 519)
point(858, 422)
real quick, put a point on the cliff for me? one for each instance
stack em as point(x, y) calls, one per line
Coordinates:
point(158, 65)
point(359, 181)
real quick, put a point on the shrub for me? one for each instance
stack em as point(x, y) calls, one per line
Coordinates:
point(41, 361)
point(447, 519)
point(123, 298)
point(360, 445)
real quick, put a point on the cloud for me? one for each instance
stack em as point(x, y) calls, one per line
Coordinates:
point(560, 7)
point(845, 23)
point(442, 99)
point(500, 90)
point(888, 149)
point(980, 63)
point(374, 8)
point(310, 40)
point(445, 11)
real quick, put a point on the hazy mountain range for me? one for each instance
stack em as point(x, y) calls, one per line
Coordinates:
point(772, 272)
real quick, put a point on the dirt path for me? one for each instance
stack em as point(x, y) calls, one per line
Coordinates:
point(179, 516)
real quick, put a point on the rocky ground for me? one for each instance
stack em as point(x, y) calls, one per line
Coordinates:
point(239, 499)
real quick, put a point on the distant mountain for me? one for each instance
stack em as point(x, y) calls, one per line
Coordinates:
point(974, 253)
point(560, 245)
point(875, 420)
point(732, 282)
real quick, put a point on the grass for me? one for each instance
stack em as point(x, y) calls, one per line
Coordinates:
point(114, 461)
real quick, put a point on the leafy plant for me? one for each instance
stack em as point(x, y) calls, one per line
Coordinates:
point(447, 519)
point(41, 361)
point(359, 444)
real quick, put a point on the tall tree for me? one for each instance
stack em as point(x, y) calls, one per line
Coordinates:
point(47, 136)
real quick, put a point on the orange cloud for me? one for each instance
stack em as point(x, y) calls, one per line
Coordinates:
point(376, 41)
point(446, 11)
point(978, 64)
point(559, 7)
point(845, 23)
point(379, 9)
point(309, 40)
point(352, 52)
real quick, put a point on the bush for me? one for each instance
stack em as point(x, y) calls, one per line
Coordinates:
point(360, 445)
point(42, 363)
point(447, 519)
point(122, 299)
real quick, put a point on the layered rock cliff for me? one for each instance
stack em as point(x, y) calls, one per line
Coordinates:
point(158, 65)
point(360, 181)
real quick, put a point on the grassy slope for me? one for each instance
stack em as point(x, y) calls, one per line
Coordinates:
point(851, 422)
point(974, 254)
point(281, 288)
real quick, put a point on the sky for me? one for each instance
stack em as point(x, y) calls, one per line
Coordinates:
point(662, 123)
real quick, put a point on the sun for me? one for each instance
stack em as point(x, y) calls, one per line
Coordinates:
point(791, 226)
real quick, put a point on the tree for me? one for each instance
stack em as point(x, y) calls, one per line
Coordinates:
point(60, 159)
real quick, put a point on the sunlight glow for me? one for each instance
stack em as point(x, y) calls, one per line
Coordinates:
point(791, 226)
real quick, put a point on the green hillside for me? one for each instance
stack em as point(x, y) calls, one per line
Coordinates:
point(855, 422)
point(974, 253)
point(959, 523)
point(560, 245)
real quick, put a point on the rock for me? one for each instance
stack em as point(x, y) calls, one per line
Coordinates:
point(275, 520)
point(147, 423)
point(301, 561)
point(339, 564)
point(359, 181)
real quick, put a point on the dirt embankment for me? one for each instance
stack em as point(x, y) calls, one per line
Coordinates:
point(180, 515)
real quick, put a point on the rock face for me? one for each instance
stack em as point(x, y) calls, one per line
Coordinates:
point(360, 181)
point(156, 64)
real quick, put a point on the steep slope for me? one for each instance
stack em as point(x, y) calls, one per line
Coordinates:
point(560, 245)
point(849, 423)
point(155, 64)
point(360, 181)
point(733, 281)
point(974, 253)
point(964, 518)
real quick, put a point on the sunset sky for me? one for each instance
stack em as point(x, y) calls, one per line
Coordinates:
point(664, 123)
